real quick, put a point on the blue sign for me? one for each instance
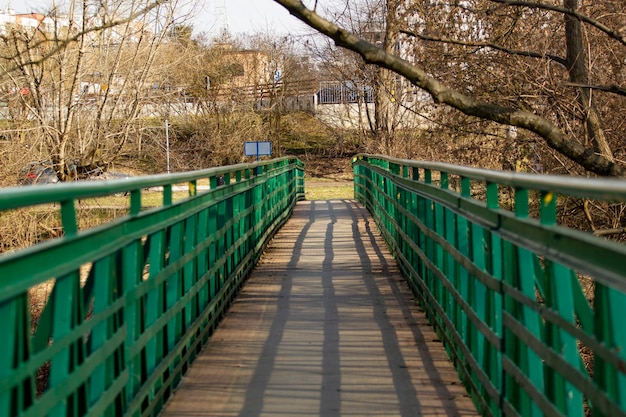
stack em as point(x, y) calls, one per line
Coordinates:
point(257, 149)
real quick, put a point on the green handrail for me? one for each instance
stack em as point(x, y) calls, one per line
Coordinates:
point(134, 300)
point(501, 282)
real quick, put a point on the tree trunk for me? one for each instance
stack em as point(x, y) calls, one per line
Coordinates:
point(579, 74)
point(385, 89)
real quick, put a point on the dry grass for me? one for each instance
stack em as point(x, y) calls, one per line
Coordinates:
point(25, 227)
point(328, 190)
point(28, 226)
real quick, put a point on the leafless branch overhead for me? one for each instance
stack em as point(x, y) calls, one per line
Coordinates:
point(441, 93)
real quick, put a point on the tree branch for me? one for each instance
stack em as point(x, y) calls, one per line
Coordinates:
point(583, 18)
point(608, 232)
point(615, 89)
point(440, 93)
point(62, 44)
point(497, 47)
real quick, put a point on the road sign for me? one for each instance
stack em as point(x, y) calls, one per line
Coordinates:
point(257, 149)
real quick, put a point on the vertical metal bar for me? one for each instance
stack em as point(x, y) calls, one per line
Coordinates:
point(466, 187)
point(478, 295)
point(135, 202)
point(213, 254)
point(520, 274)
point(102, 332)
point(415, 173)
point(167, 195)
point(438, 255)
point(445, 180)
point(559, 296)
point(66, 312)
point(154, 308)
point(521, 203)
point(610, 309)
point(68, 218)
point(173, 284)
point(193, 188)
point(7, 353)
point(498, 251)
point(492, 195)
point(548, 208)
point(450, 266)
point(190, 269)
point(203, 266)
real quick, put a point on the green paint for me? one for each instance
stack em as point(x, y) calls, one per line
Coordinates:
point(120, 343)
point(522, 316)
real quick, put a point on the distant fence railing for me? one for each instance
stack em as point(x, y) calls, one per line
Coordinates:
point(532, 314)
point(131, 302)
point(343, 92)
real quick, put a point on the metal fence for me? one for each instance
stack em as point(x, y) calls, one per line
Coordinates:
point(132, 301)
point(344, 92)
point(504, 288)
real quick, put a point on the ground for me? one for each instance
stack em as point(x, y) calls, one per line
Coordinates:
point(330, 168)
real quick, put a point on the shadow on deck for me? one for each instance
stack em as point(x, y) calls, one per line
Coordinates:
point(325, 326)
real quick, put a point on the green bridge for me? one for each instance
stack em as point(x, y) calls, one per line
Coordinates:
point(125, 286)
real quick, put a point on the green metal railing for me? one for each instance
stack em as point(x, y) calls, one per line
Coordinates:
point(503, 287)
point(134, 300)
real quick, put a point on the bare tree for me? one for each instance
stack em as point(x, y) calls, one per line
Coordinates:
point(485, 34)
point(577, 66)
point(84, 76)
point(385, 91)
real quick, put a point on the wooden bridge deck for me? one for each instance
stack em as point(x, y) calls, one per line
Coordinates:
point(325, 326)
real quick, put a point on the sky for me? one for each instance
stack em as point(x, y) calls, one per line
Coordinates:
point(242, 16)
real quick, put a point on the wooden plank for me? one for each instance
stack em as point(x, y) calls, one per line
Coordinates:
point(325, 326)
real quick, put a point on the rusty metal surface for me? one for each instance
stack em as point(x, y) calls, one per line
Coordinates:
point(324, 327)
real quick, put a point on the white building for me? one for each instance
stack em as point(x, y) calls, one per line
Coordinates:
point(30, 22)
